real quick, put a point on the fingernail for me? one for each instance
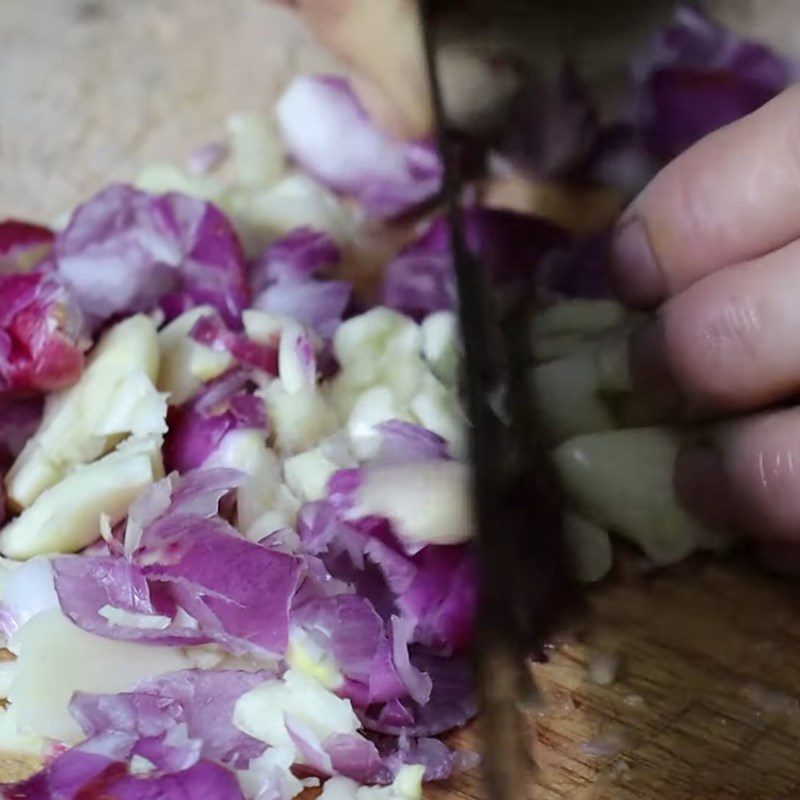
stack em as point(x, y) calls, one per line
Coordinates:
point(651, 371)
point(701, 486)
point(635, 273)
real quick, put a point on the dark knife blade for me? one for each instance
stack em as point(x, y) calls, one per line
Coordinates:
point(527, 584)
point(526, 579)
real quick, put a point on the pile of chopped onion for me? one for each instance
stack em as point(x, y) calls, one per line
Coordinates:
point(236, 544)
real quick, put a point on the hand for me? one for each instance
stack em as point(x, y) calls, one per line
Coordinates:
point(713, 246)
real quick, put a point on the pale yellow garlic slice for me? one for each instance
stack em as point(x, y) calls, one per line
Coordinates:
point(247, 451)
point(66, 517)
point(57, 658)
point(186, 364)
point(623, 482)
point(428, 502)
point(307, 474)
point(115, 397)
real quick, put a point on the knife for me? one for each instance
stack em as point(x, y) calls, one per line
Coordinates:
point(527, 585)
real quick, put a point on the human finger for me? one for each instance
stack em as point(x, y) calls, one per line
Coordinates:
point(731, 197)
point(745, 476)
point(730, 342)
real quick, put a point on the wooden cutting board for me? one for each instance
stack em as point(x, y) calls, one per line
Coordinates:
point(703, 706)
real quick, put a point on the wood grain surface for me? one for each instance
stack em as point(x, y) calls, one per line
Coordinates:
point(703, 707)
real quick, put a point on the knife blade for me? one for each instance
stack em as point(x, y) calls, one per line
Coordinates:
point(535, 37)
point(527, 584)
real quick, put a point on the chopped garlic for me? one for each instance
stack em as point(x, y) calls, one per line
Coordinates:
point(296, 361)
point(307, 474)
point(427, 502)
point(437, 408)
point(205, 656)
point(306, 656)
point(567, 397)
point(129, 619)
point(85, 421)
point(247, 451)
point(577, 326)
point(623, 482)
point(149, 446)
point(362, 340)
point(407, 786)
point(440, 345)
point(139, 765)
point(264, 327)
point(591, 549)
point(339, 788)
point(378, 347)
point(263, 215)
point(14, 740)
point(261, 711)
point(604, 666)
point(271, 769)
point(384, 376)
point(337, 448)
point(287, 503)
point(57, 658)
point(373, 406)
point(7, 674)
point(106, 532)
point(560, 345)
point(161, 177)
point(137, 409)
point(186, 364)
point(583, 317)
point(613, 365)
point(257, 150)
point(299, 420)
point(205, 364)
point(268, 523)
point(66, 517)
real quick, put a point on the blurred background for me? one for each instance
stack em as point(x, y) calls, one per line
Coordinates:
point(92, 89)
